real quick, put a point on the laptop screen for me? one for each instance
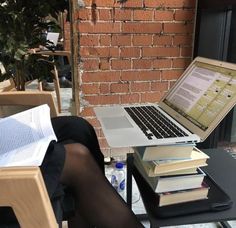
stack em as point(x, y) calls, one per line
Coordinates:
point(203, 93)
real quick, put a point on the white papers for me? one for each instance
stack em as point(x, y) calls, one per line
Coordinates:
point(24, 137)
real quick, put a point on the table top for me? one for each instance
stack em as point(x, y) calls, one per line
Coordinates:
point(56, 52)
point(221, 167)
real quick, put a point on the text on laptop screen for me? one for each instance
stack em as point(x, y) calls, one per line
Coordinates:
point(202, 95)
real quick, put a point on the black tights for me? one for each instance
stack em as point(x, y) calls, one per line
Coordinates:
point(97, 202)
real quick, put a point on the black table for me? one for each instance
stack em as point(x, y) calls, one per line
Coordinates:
point(221, 166)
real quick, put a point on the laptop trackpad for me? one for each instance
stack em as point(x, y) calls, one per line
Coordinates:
point(116, 122)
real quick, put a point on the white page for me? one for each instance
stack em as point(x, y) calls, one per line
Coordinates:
point(24, 137)
point(192, 88)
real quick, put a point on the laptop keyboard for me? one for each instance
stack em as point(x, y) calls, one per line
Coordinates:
point(153, 123)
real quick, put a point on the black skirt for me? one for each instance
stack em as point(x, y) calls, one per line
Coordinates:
point(68, 129)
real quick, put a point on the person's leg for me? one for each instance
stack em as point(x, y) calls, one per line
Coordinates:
point(97, 201)
point(76, 129)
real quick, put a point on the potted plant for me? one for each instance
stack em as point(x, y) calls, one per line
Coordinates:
point(23, 24)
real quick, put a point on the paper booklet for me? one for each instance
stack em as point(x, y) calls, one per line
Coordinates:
point(25, 136)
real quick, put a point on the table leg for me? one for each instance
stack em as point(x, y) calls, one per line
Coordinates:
point(129, 179)
point(225, 224)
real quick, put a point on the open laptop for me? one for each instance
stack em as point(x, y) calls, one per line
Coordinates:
point(195, 105)
point(52, 37)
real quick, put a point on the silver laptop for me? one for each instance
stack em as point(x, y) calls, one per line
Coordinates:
point(53, 38)
point(189, 112)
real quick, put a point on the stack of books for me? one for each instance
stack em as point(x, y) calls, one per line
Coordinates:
point(173, 172)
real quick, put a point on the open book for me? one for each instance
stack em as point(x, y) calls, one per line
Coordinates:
point(25, 136)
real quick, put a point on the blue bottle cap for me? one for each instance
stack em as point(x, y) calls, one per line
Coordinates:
point(119, 165)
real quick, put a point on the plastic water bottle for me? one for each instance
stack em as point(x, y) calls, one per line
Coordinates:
point(118, 179)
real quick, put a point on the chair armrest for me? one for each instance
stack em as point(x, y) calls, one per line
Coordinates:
point(29, 98)
point(23, 189)
point(56, 53)
point(7, 85)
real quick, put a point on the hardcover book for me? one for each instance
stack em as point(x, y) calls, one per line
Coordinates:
point(170, 198)
point(169, 183)
point(177, 151)
point(159, 167)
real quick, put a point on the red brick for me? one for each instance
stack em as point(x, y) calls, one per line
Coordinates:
point(90, 88)
point(181, 62)
point(140, 86)
point(130, 98)
point(122, 14)
point(177, 28)
point(142, 64)
point(89, 40)
point(117, 64)
point(105, 76)
point(104, 64)
point(186, 51)
point(99, 27)
point(94, 122)
point(169, 3)
point(161, 51)
point(99, 52)
point(162, 40)
point(159, 86)
point(133, 27)
point(182, 39)
point(91, 64)
point(99, 3)
point(99, 132)
point(127, 52)
point(151, 97)
point(142, 40)
point(171, 74)
point(105, 14)
point(84, 14)
point(164, 15)
point(121, 40)
point(105, 40)
point(119, 88)
point(140, 75)
point(133, 3)
point(184, 15)
point(161, 63)
point(103, 143)
point(102, 99)
point(87, 111)
point(104, 88)
point(143, 15)
point(66, 45)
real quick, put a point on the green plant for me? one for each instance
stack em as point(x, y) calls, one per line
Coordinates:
point(22, 26)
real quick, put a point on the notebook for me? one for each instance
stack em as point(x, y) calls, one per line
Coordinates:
point(194, 106)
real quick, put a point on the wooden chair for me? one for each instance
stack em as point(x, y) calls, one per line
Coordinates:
point(67, 54)
point(23, 188)
point(56, 86)
point(27, 99)
point(9, 85)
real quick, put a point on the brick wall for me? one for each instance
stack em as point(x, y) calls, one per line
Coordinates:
point(131, 52)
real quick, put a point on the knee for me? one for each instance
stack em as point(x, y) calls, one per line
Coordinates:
point(77, 153)
point(78, 157)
